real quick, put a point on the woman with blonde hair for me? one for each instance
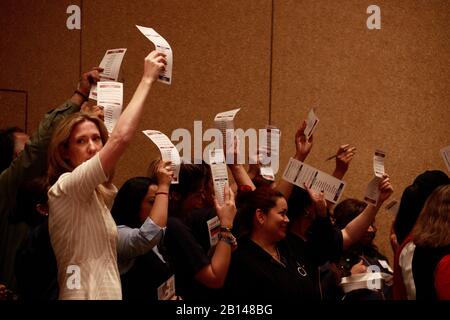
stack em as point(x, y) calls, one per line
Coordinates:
point(431, 235)
point(81, 164)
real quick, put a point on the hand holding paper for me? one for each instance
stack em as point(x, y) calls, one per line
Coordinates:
point(303, 144)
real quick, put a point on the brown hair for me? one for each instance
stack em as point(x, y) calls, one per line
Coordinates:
point(433, 225)
point(59, 143)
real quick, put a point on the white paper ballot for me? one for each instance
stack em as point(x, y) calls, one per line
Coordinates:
point(213, 230)
point(224, 121)
point(366, 280)
point(269, 148)
point(378, 163)
point(372, 191)
point(167, 149)
point(110, 97)
point(298, 173)
point(111, 64)
point(166, 291)
point(163, 46)
point(445, 152)
point(311, 124)
point(219, 173)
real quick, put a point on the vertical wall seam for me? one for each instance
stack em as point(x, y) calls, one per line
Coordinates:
point(271, 61)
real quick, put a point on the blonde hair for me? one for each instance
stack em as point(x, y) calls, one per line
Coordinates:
point(57, 164)
point(432, 228)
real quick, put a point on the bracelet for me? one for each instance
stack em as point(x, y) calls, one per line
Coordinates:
point(225, 229)
point(166, 193)
point(229, 238)
point(82, 94)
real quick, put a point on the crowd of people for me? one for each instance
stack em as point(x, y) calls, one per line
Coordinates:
point(68, 233)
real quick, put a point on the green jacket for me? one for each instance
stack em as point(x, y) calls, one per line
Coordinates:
point(31, 163)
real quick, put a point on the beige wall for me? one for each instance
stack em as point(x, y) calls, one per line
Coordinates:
point(386, 89)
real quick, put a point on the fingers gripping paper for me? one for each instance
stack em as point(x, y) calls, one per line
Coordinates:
point(168, 151)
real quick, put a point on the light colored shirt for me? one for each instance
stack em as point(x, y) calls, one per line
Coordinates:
point(84, 235)
point(136, 242)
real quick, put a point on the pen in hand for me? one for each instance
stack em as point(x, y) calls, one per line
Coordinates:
point(345, 148)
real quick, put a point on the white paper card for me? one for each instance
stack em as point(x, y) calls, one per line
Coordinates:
point(298, 173)
point(224, 121)
point(385, 265)
point(372, 191)
point(166, 291)
point(311, 124)
point(378, 163)
point(163, 46)
point(219, 173)
point(445, 153)
point(167, 149)
point(269, 148)
point(111, 63)
point(213, 230)
point(110, 97)
point(368, 280)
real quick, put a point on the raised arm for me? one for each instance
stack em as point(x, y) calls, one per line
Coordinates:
point(127, 124)
point(302, 149)
point(358, 226)
point(238, 171)
point(214, 274)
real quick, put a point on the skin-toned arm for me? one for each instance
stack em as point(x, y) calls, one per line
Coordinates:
point(303, 147)
point(127, 124)
point(164, 175)
point(344, 156)
point(358, 226)
point(214, 274)
point(241, 177)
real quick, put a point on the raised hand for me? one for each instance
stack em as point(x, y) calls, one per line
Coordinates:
point(154, 64)
point(227, 211)
point(344, 156)
point(386, 189)
point(302, 145)
point(164, 174)
point(88, 79)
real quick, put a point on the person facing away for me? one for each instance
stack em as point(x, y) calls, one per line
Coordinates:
point(81, 163)
point(431, 235)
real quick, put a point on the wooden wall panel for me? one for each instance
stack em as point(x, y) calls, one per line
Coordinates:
point(38, 54)
point(386, 89)
point(13, 109)
point(221, 61)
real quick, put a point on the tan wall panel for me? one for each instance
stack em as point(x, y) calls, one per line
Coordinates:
point(13, 109)
point(384, 89)
point(38, 54)
point(221, 61)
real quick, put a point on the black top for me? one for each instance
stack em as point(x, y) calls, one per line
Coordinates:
point(424, 263)
point(187, 244)
point(148, 272)
point(325, 243)
point(35, 266)
point(255, 275)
